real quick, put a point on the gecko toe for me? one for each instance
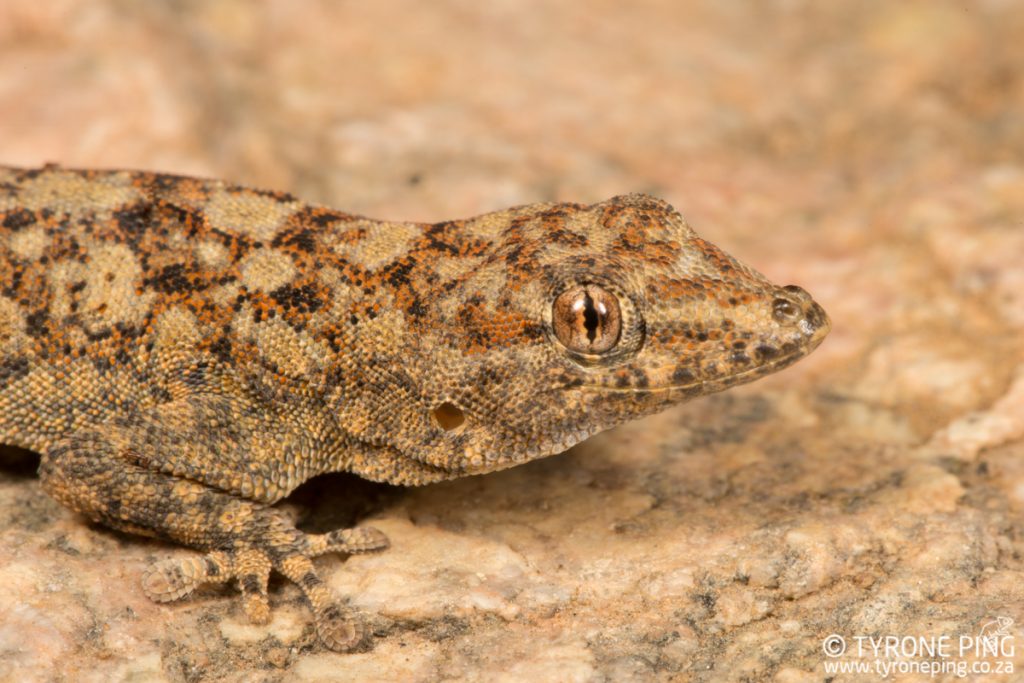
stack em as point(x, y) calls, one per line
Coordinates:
point(337, 631)
point(166, 581)
point(257, 608)
point(170, 580)
point(253, 570)
point(363, 539)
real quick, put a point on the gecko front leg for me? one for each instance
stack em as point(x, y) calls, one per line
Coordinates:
point(127, 474)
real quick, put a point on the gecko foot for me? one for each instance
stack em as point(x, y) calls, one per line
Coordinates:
point(170, 580)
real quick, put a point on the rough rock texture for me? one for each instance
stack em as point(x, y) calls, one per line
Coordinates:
point(870, 152)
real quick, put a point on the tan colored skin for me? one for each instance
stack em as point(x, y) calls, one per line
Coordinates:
point(185, 352)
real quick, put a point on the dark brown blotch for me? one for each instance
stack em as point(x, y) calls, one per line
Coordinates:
point(683, 375)
point(134, 220)
point(18, 220)
point(303, 299)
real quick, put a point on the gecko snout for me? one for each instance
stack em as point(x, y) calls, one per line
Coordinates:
point(793, 306)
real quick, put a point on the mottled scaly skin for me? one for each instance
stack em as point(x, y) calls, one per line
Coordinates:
point(184, 353)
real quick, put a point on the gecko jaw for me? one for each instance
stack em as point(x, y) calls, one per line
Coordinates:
point(725, 380)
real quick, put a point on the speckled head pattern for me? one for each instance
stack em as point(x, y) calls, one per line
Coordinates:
point(679, 318)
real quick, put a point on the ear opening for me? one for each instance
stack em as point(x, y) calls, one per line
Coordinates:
point(449, 416)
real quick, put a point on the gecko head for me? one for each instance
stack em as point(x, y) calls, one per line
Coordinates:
point(583, 317)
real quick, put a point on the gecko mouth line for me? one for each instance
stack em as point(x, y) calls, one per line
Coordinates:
point(776, 364)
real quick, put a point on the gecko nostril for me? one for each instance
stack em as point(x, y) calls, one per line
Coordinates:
point(449, 416)
point(817, 318)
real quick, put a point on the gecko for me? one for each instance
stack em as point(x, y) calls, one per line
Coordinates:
point(183, 353)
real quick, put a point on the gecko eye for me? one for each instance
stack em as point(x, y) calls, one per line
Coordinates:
point(586, 319)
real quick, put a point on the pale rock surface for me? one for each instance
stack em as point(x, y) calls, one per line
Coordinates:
point(868, 151)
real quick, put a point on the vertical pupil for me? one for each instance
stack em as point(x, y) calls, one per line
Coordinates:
point(590, 317)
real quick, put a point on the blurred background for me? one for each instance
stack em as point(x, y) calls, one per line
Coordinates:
point(872, 152)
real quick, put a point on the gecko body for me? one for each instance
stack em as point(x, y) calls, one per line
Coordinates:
point(183, 353)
